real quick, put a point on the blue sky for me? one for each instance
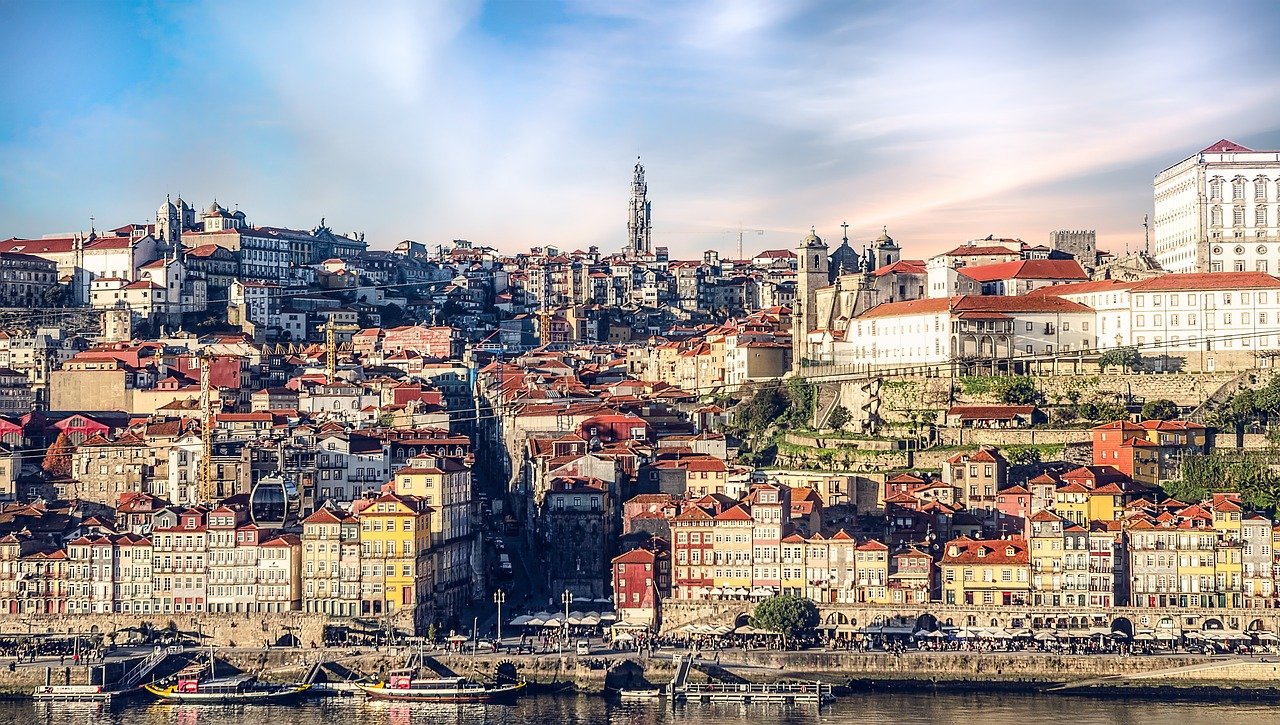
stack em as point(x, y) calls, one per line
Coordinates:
point(516, 123)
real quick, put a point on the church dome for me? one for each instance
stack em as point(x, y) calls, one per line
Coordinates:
point(214, 208)
point(813, 240)
point(884, 240)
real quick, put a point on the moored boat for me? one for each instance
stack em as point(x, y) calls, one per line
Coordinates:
point(448, 689)
point(226, 690)
point(640, 695)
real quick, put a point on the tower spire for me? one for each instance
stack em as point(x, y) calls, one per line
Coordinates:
point(639, 226)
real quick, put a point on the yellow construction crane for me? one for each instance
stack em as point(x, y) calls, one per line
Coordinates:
point(205, 490)
point(331, 348)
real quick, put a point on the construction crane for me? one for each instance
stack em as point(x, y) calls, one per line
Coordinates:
point(205, 492)
point(331, 348)
point(741, 233)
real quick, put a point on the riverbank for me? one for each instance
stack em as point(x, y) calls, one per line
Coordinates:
point(1091, 675)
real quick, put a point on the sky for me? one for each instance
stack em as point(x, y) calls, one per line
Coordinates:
point(517, 123)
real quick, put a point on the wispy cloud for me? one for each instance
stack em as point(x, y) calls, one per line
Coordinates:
point(515, 123)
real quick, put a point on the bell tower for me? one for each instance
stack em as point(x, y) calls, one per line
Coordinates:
point(811, 274)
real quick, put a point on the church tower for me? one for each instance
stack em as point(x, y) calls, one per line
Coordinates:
point(811, 274)
point(887, 251)
point(639, 227)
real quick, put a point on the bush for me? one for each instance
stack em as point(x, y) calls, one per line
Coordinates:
point(1161, 409)
point(839, 418)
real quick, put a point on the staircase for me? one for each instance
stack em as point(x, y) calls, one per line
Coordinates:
point(135, 676)
point(1220, 396)
point(683, 665)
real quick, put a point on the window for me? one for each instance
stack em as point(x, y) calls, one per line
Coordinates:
point(1237, 189)
point(1215, 216)
point(1215, 188)
point(1237, 216)
point(1260, 216)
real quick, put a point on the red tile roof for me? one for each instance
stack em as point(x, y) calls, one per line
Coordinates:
point(1207, 281)
point(1027, 269)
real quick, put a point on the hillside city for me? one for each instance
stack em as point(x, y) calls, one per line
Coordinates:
point(202, 413)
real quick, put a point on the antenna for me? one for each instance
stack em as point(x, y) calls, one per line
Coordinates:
point(741, 233)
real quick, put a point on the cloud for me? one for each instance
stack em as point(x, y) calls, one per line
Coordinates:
point(515, 124)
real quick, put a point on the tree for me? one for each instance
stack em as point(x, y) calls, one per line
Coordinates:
point(57, 460)
point(1022, 455)
point(1020, 391)
point(1125, 358)
point(786, 613)
point(839, 417)
point(1160, 409)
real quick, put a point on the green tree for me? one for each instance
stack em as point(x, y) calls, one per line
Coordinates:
point(1125, 358)
point(1160, 409)
point(1021, 391)
point(1022, 455)
point(839, 418)
point(57, 460)
point(786, 613)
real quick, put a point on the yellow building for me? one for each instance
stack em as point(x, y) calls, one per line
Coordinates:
point(986, 572)
point(444, 484)
point(1046, 558)
point(395, 548)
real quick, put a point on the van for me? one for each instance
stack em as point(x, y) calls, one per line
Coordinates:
point(584, 647)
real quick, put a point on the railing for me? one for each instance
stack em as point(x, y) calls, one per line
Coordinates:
point(144, 668)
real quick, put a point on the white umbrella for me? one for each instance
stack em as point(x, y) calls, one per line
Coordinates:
point(534, 622)
point(553, 622)
point(1166, 635)
point(623, 637)
point(1193, 635)
point(591, 619)
point(607, 615)
point(1266, 636)
point(745, 629)
point(574, 621)
point(1045, 636)
point(1144, 637)
point(520, 621)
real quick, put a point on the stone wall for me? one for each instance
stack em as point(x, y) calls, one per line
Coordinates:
point(245, 630)
point(1013, 436)
point(676, 613)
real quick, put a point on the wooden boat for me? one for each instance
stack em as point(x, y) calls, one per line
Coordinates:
point(226, 690)
point(450, 689)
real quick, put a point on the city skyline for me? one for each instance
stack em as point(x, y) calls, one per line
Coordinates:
point(515, 124)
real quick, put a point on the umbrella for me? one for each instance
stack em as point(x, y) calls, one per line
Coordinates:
point(965, 633)
point(603, 600)
point(1020, 632)
point(1266, 636)
point(1045, 636)
point(520, 621)
point(553, 622)
point(931, 635)
point(458, 638)
point(623, 637)
point(745, 629)
point(1234, 634)
point(608, 615)
point(591, 619)
point(534, 621)
point(1144, 637)
point(1170, 636)
point(1193, 635)
point(574, 621)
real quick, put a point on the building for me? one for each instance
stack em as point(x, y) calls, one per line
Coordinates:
point(331, 563)
point(444, 484)
point(986, 572)
point(395, 543)
point(639, 224)
point(641, 579)
point(1216, 211)
point(26, 280)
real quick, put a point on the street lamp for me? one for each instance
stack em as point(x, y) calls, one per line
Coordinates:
point(567, 597)
point(498, 598)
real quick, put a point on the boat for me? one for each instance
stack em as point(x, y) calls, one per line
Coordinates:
point(449, 689)
point(226, 690)
point(640, 695)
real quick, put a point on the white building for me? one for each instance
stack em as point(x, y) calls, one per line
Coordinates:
point(944, 272)
point(1217, 210)
point(994, 332)
point(1109, 299)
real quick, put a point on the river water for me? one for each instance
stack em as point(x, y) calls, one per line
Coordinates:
point(877, 708)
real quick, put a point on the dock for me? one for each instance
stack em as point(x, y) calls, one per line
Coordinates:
point(680, 689)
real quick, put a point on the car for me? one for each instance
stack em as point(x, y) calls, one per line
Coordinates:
point(583, 647)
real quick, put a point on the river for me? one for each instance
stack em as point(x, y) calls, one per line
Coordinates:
point(878, 709)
